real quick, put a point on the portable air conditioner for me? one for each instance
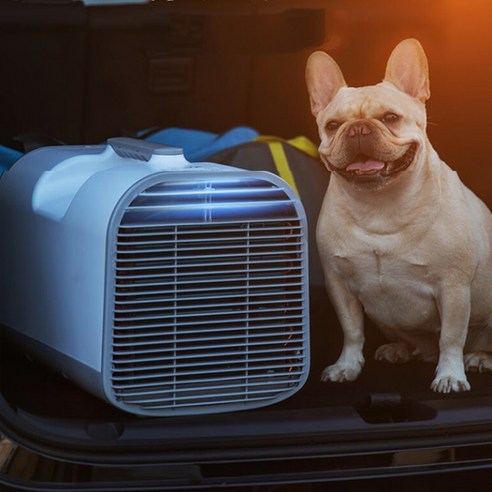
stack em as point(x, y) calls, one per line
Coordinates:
point(164, 287)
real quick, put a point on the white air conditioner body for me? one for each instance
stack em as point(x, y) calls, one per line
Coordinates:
point(163, 287)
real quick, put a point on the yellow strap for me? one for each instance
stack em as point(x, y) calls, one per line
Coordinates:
point(280, 159)
point(300, 143)
point(304, 145)
point(282, 164)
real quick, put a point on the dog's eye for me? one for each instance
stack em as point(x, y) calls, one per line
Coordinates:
point(390, 118)
point(333, 125)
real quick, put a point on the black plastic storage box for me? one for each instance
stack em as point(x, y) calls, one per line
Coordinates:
point(78, 74)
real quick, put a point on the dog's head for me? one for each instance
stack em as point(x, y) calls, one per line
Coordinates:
point(371, 135)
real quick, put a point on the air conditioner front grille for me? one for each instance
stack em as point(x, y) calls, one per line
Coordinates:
point(210, 297)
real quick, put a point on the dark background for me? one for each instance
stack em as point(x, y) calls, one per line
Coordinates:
point(84, 74)
point(81, 75)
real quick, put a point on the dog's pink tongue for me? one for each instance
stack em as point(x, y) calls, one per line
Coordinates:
point(368, 167)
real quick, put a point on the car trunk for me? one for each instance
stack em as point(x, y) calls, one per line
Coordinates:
point(82, 74)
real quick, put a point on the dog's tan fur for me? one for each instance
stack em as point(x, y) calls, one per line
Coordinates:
point(411, 247)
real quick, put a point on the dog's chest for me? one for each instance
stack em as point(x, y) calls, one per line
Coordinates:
point(380, 267)
point(394, 290)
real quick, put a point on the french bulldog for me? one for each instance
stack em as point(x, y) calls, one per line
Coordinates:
point(400, 237)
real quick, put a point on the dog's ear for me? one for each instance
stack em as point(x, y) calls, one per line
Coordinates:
point(408, 70)
point(324, 79)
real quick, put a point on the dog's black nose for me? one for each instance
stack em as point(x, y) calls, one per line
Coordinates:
point(359, 129)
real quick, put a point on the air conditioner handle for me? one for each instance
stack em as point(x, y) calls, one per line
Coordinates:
point(133, 148)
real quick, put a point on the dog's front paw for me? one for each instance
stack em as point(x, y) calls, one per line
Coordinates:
point(341, 373)
point(449, 384)
point(478, 362)
point(396, 353)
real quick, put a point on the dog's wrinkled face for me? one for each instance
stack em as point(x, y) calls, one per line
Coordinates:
point(370, 135)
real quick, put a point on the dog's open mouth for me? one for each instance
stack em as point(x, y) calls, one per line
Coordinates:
point(367, 167)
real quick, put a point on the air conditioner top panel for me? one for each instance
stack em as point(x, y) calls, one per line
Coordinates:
point(47, 180)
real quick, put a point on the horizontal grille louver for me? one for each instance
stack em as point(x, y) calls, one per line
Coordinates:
point(209, 297)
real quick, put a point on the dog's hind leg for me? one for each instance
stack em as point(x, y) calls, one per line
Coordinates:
point(406, 346)
point(478, 361)
point(396, 353)
point(478, 349)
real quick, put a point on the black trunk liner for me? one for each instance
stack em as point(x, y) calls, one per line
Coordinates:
point(34, 389)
